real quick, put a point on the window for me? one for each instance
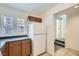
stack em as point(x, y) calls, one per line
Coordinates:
point(8, 24)
point(20, 25)
point(12, 26)
point(0, 25)
point(61, 23)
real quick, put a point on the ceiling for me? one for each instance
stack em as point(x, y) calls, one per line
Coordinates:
point(37, 8)
point(69, 11)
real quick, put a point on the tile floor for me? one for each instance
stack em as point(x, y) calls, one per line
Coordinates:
point(66, 52)
point(63, 52)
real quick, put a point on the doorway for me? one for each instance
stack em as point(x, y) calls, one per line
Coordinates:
point(61, 23)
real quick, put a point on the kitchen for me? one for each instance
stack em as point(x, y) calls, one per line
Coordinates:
point(19, 43)
point(29, 29)
point(20, 34)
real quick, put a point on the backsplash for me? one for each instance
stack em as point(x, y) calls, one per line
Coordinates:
point(10, 37)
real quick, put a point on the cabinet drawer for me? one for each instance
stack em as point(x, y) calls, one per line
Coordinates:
point(14, 43)
point(26, 41)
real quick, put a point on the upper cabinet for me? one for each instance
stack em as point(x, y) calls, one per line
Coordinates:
point(34, 19)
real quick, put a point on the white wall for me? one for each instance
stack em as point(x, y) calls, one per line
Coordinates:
point(72, 36)
point(49, 21)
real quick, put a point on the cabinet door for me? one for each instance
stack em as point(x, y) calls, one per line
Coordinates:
point(26, 47)
point(4, 50)
point(15, 48)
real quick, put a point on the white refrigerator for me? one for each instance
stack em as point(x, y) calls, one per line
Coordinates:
point(37, 33)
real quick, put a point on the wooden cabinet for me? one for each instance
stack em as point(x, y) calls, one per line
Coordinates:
point(17, 48)
point(35, 19)
point(4, 50)
point(14, 48)
point(26, 47)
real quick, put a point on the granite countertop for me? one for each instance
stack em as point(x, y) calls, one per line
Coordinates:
point(3, 41)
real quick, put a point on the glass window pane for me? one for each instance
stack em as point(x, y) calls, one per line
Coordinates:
point(20, 25)
point(8, 24)
point(61, 23)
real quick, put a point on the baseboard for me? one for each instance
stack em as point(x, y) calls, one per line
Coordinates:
point(42, 53)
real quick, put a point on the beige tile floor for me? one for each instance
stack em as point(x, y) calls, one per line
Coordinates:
point(63, 52)
point(66, 52)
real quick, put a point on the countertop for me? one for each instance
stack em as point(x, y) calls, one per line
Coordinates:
point(3, 41)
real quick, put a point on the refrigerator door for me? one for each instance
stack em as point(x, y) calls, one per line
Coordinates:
point(37, 28)
point(38, 44)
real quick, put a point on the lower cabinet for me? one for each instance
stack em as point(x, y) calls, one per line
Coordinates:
point(14, 48)
point(4, 50)
point(17, 48)
point(26, 51)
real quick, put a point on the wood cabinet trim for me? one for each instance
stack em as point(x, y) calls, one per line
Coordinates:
point(35, 19)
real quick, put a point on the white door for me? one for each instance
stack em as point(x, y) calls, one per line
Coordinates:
point(38, 44)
